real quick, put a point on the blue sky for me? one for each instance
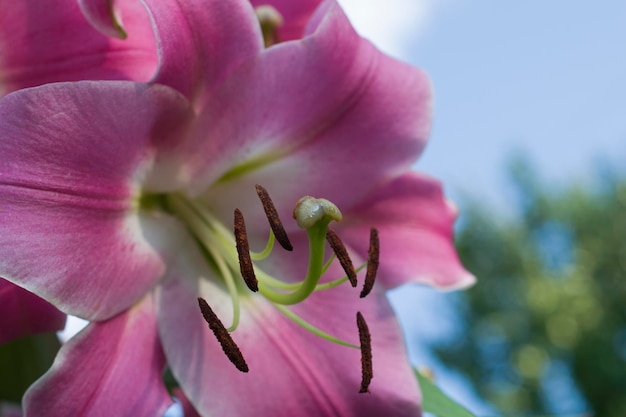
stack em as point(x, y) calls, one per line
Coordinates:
point(545, 77)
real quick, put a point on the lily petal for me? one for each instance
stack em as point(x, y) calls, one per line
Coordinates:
point(295, 16)
point(23, 313)
point(112, 368)
point(303, 374)
point(56, 43)
point(201, 41)
point(71, 229)
point(367, 119)
point(415, 225)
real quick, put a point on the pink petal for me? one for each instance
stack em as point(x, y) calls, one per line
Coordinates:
point(23, 313)
point(201, 41)
point(112, 368)
point(295, 15)
point(302, 375)
point(73, 156)
point(329, 116)
point(415, 224)
point(56, 43)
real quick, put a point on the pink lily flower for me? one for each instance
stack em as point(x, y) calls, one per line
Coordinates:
point(116, 200)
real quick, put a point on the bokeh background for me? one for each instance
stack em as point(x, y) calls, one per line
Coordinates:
point(529, 140)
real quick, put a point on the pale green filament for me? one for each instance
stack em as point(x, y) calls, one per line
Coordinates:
point(199, 228)
point(259, 256)
point(297, 319)
point(337, 282)
point(328, 263)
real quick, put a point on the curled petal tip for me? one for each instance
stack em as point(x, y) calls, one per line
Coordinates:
point(104, 17)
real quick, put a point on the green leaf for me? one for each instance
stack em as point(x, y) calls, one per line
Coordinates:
point(24, 360)
point(437, 402)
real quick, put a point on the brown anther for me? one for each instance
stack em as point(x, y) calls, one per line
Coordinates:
point(367, 370)
point(342, 254)
point(229, 346)
point(272, 217)
point(372, 263)
point(243, 250)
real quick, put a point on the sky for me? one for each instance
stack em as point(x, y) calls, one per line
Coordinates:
point(542, 77)
point(545, 78)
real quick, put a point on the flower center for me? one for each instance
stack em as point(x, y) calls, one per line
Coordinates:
point(229, 253)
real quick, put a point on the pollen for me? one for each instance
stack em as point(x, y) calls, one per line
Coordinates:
point(229, 346)
point(243, 251)
point(372, 263)
point(272, 217)
point(367, 371)
point(342, 254)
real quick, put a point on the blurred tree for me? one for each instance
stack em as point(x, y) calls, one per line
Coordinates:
point(545, 327)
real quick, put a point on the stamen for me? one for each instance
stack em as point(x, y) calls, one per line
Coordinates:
point(229, 346)
point(272, 216)
point(342, 254)
point(372, 263)
point(367, 371)
point(243, 250)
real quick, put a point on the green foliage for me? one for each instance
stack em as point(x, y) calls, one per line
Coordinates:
point(438, 403)
point(23, 361)
point(551, 290)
